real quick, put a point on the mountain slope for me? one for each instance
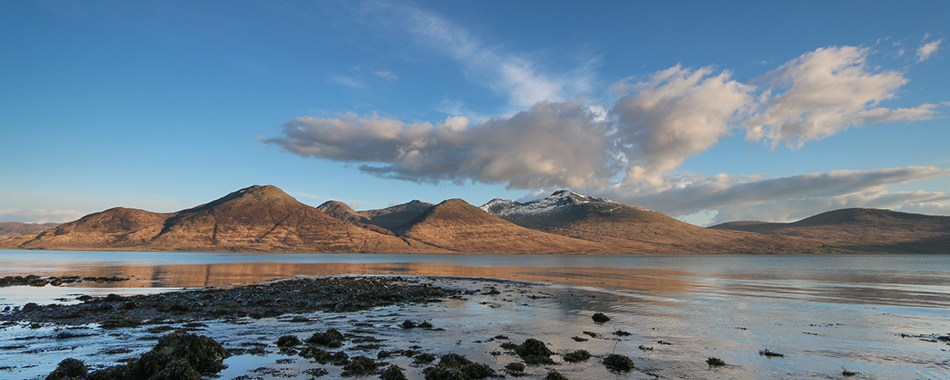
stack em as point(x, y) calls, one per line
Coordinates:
point(459, 226)
point(628, 229)
point(114, 227)
point(863, 229)
point(342, 211)
point(394, 216)
point(255, 219)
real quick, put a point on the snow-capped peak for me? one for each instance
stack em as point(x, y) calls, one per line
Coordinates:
point(497, 206)
point(558, 200)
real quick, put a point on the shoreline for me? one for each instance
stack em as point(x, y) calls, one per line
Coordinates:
point(179, 318)
point(666, 331)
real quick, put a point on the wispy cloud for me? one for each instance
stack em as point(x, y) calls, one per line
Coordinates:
point(781, 199)
point(509, 73)
point(39, 215)
point(386, 74)
point(926, 50)
point(347, 81)
point(929, 208)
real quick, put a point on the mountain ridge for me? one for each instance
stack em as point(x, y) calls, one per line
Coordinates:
point(266, 219)
point(630, 228)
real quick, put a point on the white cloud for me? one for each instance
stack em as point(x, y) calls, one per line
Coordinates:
point(676, 114)
point(631, 150)
point(386, 74)
point(347, 81)
point(551, 144)
point(828, 91)
point(39, 215)
point(926, 50)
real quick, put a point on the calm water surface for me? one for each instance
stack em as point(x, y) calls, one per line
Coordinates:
point(874, 315)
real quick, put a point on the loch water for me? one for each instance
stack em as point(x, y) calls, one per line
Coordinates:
point(878, 316)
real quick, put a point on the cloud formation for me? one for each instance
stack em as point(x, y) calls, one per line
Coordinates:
point(516, 76)
point(928, 208)
point(386, 74)
point(39, 215)
point(926, 50)
point(551, 144)
point(786, 198)
point(631, 149)
point(677, 113)
point(827, 91)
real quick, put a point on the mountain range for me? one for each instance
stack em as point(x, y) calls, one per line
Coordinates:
point(10, 229)
point(265, 219)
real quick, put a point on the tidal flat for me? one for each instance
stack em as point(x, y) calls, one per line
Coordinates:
point(737, 317)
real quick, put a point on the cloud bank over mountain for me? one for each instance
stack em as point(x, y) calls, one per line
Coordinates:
point(631, 145)
point(631, 152)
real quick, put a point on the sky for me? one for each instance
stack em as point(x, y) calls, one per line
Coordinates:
point(707, 111)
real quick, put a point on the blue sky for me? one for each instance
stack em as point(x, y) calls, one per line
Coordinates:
point(706, 111)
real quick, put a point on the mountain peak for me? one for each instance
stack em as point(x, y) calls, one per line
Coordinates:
point(339, 210)
point(265, 192)
point(560, 200)
point(498, 206)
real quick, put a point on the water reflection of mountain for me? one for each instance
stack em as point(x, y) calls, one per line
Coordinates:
point(650, 281)
point(649, 285)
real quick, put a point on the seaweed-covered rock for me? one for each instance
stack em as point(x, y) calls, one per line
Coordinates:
point(288, 341)
point(69, 369)
point(618, 363)
point(360, 366)
point(423, 358)
point(715, 362)
point(457, 367)
point(180, 354)
point(771, 354)
point(600, 318)
point(577, 356)
point(532, 351)
point(177, 369)
point(393, 372)
point(515, 369)
point(324, 357)
point(330, 338)
point(176, 356)
point(554, 375)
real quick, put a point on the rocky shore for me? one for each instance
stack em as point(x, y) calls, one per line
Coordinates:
point(336, 294)
point(179, 322)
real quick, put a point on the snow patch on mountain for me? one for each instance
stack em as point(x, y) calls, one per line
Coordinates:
point(560, 200)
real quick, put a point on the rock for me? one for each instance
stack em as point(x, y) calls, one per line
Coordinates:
point(360, 366)
point(515, 369)
point(715, 362)
point(457, 367)
point(600, 318)
point(176, 356)
point(393, 372)
point(532, 351)
point(69, 369)
point(554, 375)
point(618, 363)
point(288, 341)
point(330, 338)
point(577, 356)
